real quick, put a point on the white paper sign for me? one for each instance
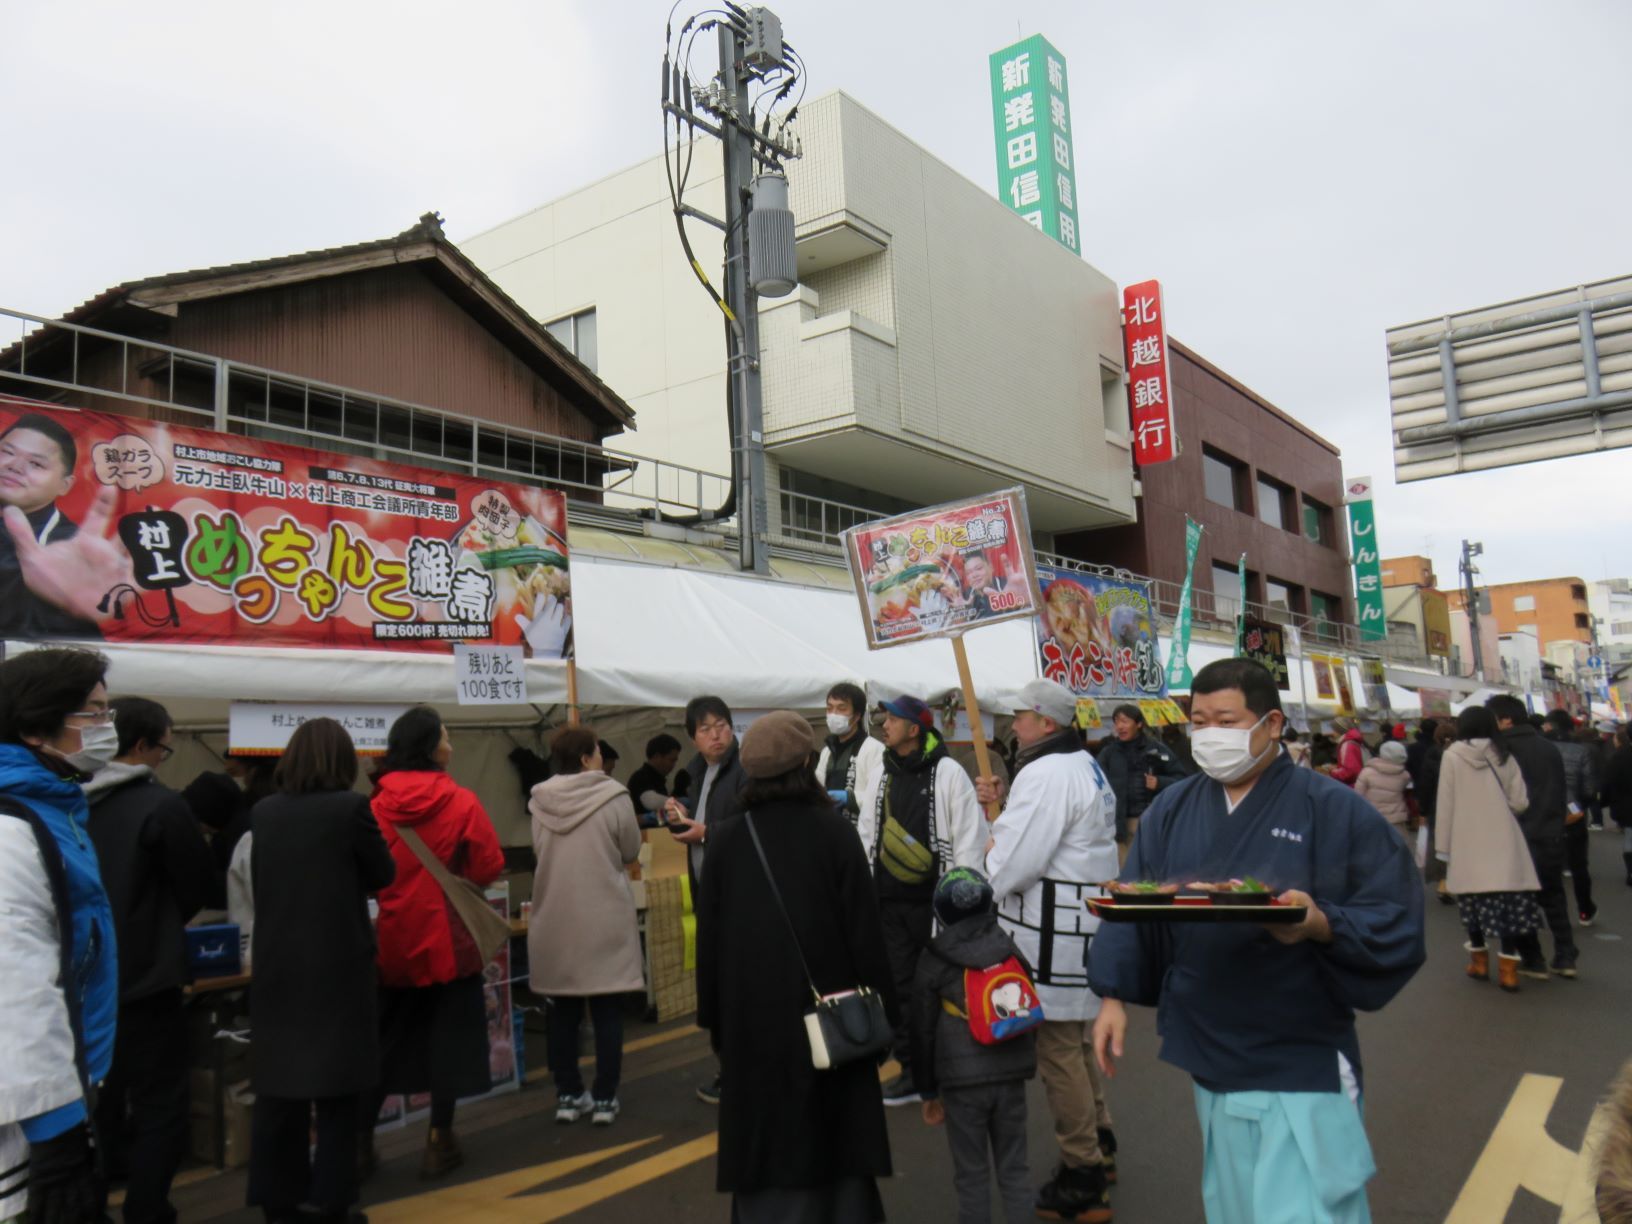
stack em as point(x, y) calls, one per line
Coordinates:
point(962, 733)
point(490, 675)
point(265, 727)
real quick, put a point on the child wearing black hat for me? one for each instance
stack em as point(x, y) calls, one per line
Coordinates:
point(978, 1090)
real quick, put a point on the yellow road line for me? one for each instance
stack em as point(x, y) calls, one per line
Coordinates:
point(493, 1195)
point(1520, 1153)
point(632, 1047)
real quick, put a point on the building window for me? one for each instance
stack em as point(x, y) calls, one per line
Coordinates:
point(1283, 596)
point(1227, 593)
point(577, 334)
point(1524, 603)
point(1226, 479)
point(1324, 608)
point(1275, 503)
point(1317, 522)
point(1578, 592)
point(1581, 621)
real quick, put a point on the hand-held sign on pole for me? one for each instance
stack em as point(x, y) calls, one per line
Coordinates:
point(941, 571)
point(983, 758)
point(572, 692)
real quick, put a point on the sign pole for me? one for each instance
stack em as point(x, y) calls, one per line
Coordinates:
point(572, 692)
point(983, 759)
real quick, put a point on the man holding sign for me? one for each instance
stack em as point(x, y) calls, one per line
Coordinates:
point(919, 820)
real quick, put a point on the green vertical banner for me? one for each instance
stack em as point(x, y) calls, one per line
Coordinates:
point(1241, 606)
point(1031, 118)
point(1368, 565)
point(1178, 663)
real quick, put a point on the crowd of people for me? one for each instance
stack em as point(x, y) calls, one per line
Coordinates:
point(904, 880)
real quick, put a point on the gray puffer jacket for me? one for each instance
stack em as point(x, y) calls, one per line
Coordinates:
point(944, 1052)
point(1580, 770)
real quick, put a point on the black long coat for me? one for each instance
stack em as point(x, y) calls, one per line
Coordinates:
point(314, 1025)
point(783, 1124)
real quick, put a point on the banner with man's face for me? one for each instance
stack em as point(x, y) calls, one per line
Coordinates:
point(939, 571)
point(143, 531)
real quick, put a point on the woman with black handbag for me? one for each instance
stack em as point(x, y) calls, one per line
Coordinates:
point(797, 1145)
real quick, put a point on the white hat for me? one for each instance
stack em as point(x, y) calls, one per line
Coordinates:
point(1049, 698)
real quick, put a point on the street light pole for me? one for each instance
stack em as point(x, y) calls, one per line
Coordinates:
point(1470, 599)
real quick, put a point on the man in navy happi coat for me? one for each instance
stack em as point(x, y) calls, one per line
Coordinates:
point(1262, 1017)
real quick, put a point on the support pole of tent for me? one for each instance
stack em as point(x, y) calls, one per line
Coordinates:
point(983, 759)
point(572, 692)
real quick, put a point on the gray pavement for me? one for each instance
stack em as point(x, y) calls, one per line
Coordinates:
point(1441, 1064)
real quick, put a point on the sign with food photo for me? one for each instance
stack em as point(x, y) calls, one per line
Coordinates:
point(124, 529)
point(1097, 635)
point(940, 571)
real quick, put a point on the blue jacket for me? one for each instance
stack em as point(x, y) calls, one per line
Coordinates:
point(1237, 1009)
point(94, 983)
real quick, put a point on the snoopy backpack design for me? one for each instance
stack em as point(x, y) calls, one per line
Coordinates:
point(1002, 1002)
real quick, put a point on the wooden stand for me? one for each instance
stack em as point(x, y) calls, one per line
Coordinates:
point(983, 758)
point(572, 692)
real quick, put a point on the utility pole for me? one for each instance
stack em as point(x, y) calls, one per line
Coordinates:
point(1470, 599)
point(758, 226)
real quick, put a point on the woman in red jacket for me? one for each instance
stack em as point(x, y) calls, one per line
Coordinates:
point(433, 1016)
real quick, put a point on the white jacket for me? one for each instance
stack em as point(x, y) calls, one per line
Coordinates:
point(866, 768)
point(1054, 844)
point(960, 832)
point(38, 1072)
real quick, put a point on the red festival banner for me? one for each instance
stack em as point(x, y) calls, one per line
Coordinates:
point(139, 531)
point(1150, 388)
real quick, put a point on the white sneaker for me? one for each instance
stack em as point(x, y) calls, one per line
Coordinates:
point(605, 1113)
point(569, 1109)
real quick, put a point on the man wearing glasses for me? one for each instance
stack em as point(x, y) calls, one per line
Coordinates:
point(716, 778)
point(159, 872)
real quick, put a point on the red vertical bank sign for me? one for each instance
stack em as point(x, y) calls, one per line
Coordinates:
point(1150, 389)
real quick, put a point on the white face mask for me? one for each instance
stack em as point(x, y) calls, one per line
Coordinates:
point(98, 746)
point(1225, 753)
point(838, 724)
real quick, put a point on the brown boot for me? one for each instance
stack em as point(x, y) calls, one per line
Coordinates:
point(442, 1155)
point(1507, 972)
point(1478, 963)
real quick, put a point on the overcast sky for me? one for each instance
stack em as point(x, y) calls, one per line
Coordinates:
point(1299, 176)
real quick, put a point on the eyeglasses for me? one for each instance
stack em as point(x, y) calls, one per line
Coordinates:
point(166, 752)
point(94, 718)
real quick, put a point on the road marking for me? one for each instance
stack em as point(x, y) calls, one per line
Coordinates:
point(1520, 1153)
point(493, 1196)
point(630, 1047)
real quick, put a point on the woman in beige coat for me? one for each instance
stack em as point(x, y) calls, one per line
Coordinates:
point(583, 945)
point(1480, 793)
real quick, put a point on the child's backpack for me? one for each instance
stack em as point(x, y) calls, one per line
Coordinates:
point(1002, 1002)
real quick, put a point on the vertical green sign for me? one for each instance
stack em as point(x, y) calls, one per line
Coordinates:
point(1031, 117)
point(1178, 662)
point(1368, 566)
point(1241, 606)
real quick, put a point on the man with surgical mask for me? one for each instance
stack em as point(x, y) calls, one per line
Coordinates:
point(851, 760)
point(1262, 1016)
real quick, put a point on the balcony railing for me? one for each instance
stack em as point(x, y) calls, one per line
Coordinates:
point(49, 358)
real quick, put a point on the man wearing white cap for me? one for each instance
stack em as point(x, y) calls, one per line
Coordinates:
point(1054, 843)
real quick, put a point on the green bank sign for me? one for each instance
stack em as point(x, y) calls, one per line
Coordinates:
point(1368, 566)
point(1031, 117)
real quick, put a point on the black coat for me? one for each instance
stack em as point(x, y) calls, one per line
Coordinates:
point(1543, 769)
point(945, 1053)
point(783, 1124)
point(722, 799)
point(1125, 766)
point(314, 861)
point(1617, 786)
point(159, 872)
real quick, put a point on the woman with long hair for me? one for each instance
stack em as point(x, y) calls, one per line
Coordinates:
point(1480, 792)
point(318, 854)
point(433, 1017)
point(583, 943)
point(796, 1144)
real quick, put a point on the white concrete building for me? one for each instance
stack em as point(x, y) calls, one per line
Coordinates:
point(937, 346)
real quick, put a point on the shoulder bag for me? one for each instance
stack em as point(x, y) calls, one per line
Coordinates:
point(844, 1027)
point(488, 928)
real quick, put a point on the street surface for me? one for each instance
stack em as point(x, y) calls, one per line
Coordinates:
point(1443, 1065)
